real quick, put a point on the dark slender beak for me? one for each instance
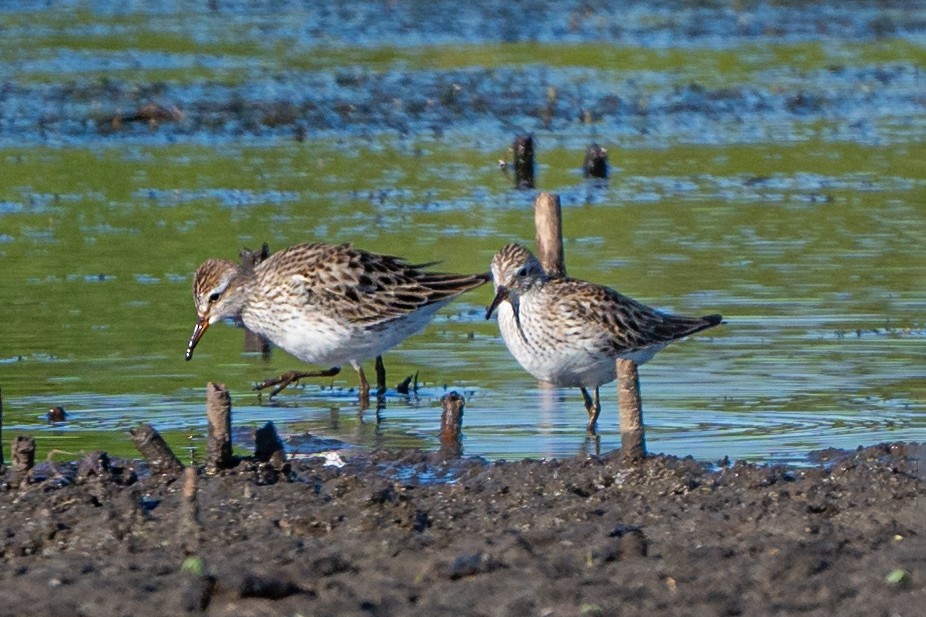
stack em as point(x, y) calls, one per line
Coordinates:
point(201, 326)
point(501, 294)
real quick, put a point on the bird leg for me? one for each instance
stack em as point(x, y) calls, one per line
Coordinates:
point(364, 385)
point(287, 378)
point(593, 408)
point(380, 377)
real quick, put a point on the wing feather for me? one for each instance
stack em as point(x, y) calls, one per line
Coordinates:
point(360, 285)
point(624, 325)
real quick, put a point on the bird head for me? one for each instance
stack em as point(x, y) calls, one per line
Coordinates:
point(213, 296)
point(514, 271)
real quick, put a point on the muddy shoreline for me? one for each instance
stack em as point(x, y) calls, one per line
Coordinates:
point(405, 533)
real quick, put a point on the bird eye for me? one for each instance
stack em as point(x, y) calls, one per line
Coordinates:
point(214, 297)
point(522, 272)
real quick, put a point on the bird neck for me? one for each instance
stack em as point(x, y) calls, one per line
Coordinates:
point(237, 293)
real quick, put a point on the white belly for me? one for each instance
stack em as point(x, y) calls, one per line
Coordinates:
point(316, 338)
point(565, 358)
point(570, 362)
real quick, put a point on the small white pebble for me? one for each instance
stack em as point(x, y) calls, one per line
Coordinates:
point(332, 459)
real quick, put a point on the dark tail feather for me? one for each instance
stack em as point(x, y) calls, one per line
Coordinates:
point(703, 323)
point(712, 320)
point(677, 326)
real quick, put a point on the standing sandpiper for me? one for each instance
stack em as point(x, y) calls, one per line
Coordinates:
point(325, 304)
point(570, 332)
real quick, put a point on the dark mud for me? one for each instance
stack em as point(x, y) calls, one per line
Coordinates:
point(402, 533)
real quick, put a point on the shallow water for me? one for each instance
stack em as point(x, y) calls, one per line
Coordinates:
point(770, 171)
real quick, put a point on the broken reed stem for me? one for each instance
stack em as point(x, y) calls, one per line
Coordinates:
point(155, 450)
point(548, 225)
point(218, 417)
point(595, 164)
point(548, 222)
point(523, 154)
point(189, 531)
point(633, 440)
point(451, 424)
point(268, 447)
point(22, 453)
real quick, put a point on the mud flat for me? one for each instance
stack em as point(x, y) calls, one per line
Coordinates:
point(404, 533)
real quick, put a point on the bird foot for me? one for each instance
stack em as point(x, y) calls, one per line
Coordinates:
point(290, 377)
point(593, 409)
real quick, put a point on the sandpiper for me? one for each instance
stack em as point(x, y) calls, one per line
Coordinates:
point(570, 332)
point(325, 304)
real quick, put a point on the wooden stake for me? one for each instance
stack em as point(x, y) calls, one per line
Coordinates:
point(596, 162)
point(451, 424)
point(549, 228)
point(218, 418)
point(633, 440)
point(157, 453)
point(548, 222)
point(22, 452)
point(523, 149)
point(189, 531)
point(268, 447)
